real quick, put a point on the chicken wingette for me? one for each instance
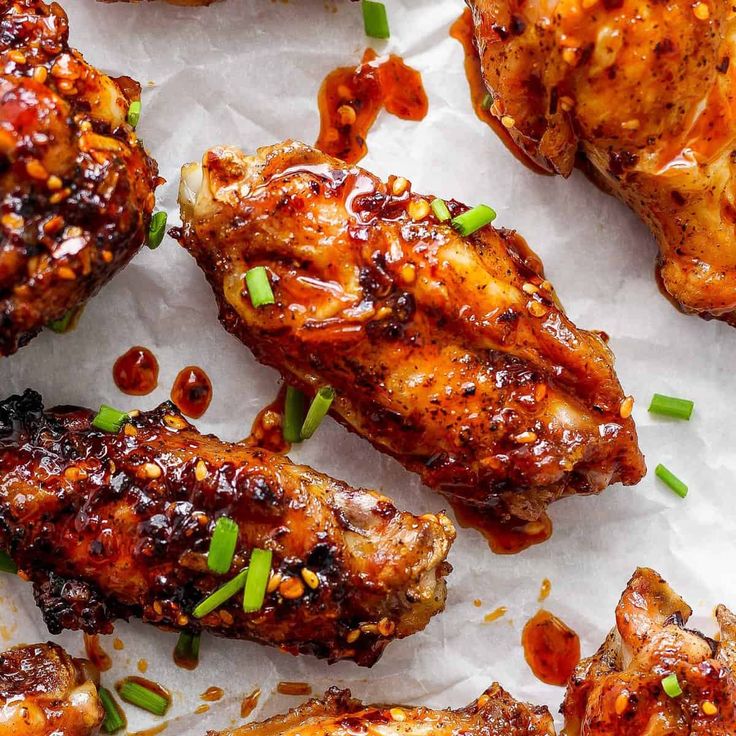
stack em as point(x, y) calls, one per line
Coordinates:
point(653, 675)
point(45, 692)
point(495, 713)
point(642, 94)
point(76, 185)
point(118, 524)
point(449, 353)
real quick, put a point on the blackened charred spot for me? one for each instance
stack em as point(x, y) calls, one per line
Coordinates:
point(665, 46)
point(723, 65)
point(321, 558)
point(260, 490)
point(501, 31)
point(517, 25)
point(468, 389)
point(677, 198)
point(619, 161)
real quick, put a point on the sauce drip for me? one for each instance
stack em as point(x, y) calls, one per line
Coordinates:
point(192, 391)
point(202, 709)
point(142, 665)
point(350, 99)
point(294, 688)
point(551, 648)
point(136, 371)
point(500, 612)
point(95, 653)
point(544, 590)
point(249, 703)
point(212, 694)
point(267, 430)
point(462, 31)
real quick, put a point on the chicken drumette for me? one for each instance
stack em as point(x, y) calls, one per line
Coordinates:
point(76, 185)
point(114, 525)
point(450, 353)
point(630, 686)
point(495, 713)
point(642, 94)
point(44, 692)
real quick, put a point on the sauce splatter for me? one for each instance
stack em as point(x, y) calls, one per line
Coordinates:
point(249, 703)
point(350, 99)
point(267, 430)
point(95, 653)
point(294, 688)
point(544, 590)
point(477, 602)
point(117, 644)
point(202, 709)
point(495, 615)
point(192, 391)
point(462, 31)
point(135, 372)
point(551, 648)
point(212, 694)
point(142, 665)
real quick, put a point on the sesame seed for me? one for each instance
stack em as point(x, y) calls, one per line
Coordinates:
point(570, 56)
point(53, 183)
point(17, 56)
point(273, 582)
point(130, 430)
point(40, 74)
point(536, 309)
point(529, 288)
point(291, 588)
point(59, 196)
point(507, 121)
point(158, 607)
point(74, 473)
point(397, 714)
point(200, 470)
point(408, 273)
point(526, 438)
point(107, 256)
point(632, 124)
point(540, 391)
point(627, 406)
point(386, 627)
point(622, 702)
point(66, 273)
point(226, 617)
point(353, 636)
point(710, 709)
point(174, 422)
point(399, 186)
point(36, 169)
point(310, 578)
point(151, 470)
point(182, 619)
point(546, 286)
point(483, 699)
point(12, 221)
point(567, 103)
point(347, 115)
point(418, 209)
point(702, 11)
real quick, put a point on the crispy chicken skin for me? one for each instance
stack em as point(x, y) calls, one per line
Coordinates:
point(618, 691)
point(451, 354)
point(644, 93)
point(495, 713)
point(76, 185)
point(118, 525)
point(44, 692)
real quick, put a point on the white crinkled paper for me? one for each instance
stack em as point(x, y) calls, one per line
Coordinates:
point(247, 72)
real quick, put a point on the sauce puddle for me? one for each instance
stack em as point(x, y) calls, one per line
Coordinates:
point(192, 391)
point(212, 694)
point(294, 688)
point(551, 648)
point(95, 653)
point(135, 372)
point(350, 99)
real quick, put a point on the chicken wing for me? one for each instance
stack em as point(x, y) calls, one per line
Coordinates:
point(44, 692)
point(114, 525)
point(451, 354)
point(620, 691)
point(495, 713)
point(76, 185)
point(644, 94)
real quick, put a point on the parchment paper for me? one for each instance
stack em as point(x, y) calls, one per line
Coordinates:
point(247, 72)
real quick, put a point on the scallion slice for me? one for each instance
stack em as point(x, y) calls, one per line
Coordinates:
point(473, 220)
point(62, 324)
point(670, 406)
point(259, 287)
point(441, 212)
point(134, 113)
point(259, 570)
point(187, 648)
point(222, 594)
point(295, 409)
point(157, 230)
point(375, 19)
point(222, 545)
point(136, 694)
point(114, 720)
point(7, 564)
point(671, 480)
point(487, 102)
point(109, 419)
point(317, 410)
point(671, 686)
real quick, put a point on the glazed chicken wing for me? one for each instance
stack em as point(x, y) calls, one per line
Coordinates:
point(620, 692)
point(644, 93)
point(495, 713)
point(114, 525)
point(44, 692)
point(452, 354)
point(76, 185)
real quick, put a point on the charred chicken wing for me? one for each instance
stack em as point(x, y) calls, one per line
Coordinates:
point(113, 525)
point(76, 185)
point(44, 692)
point(644, 94)
point(652, 675)
point(449, 353)
point(495, 713)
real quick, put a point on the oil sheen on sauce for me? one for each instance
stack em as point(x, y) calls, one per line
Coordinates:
point(551, 648)
point(462, 31)
point(267, 429)
point(192, 391)
point(350, 99)
point(135, 372)
point(95, 653)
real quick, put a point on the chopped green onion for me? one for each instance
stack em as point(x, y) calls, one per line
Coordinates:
point(671, 686)
point(7, 564)
point(473, 220)
point(317, 410)
point(259, 570)
point(671, 480)
point(295, 409)
point(375, 19)
point(114, 720)
point(157, 230)
point(441, 212)
point(136, 694)
point(259, 287)
point(134, 113)
point(670, 406)
point(186, 651)
point(62, 324)
point(222, 594)
point(487, 102)
point(109, 419)
point(222, 545)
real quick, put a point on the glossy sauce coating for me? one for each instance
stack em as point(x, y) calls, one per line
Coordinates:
point(267, 430)
point(95, 653)
point(551, 648)
point(135, 372)
point(192, 391)
point(350, 99)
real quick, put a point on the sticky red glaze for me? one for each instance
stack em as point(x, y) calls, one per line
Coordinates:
point(192, 391)
point(350, 99)
point(135, 372)
point(551, 648)
point(95, 653)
